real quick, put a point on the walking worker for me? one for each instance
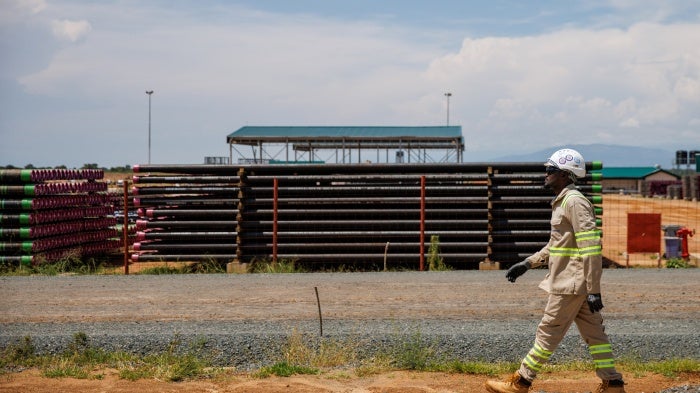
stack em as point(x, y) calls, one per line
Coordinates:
point(573, 255)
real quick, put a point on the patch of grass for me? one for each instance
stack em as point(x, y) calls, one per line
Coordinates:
point(163, 269)
point(323, 352)
point(173, 365)
point(22, 354)
point(82, 360)
point(65, 368)
point(72, 263)
point(284, 369)
point(414, 353)
point(301, 355)
point(677, 263)
point(435, 261)
point(208, 266)
point(281, 266)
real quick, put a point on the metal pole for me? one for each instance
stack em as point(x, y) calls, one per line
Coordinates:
point(448, 95)
point(149, 92)
point(422, 223)
point(125, 228)
point(274, 219)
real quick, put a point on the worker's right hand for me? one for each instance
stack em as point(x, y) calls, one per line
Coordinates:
point(517, 270)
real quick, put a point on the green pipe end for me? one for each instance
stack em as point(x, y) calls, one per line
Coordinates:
point(597, 188)
point(25, 175)
point(597, 176)
point(26, 260)
point(599, 222)
point(596, 165)
point(597, 199)
point(598, 210)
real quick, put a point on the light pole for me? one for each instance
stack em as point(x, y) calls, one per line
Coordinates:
point(149, 92)
point(448, 95)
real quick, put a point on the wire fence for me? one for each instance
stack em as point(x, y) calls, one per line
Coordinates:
point(674, 213)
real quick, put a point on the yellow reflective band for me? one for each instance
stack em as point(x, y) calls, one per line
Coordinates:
point(592, 250)
point(574, 252)
point(601, 348)
point(604, 363)
point(587, 235)
point(532, 363)
point(541, 352)
point(565, 252)
point(574, 194)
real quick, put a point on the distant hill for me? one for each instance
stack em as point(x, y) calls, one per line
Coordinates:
point(610, 155)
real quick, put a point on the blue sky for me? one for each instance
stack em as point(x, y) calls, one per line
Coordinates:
point(524, 75)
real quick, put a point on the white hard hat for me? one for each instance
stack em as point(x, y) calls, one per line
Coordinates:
point(568, 160)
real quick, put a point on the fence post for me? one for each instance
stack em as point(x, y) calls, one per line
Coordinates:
point(125, 229)
point(422, 223)
point(275, 187)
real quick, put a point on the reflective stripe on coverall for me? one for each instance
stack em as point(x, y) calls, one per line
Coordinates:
point(575, 269)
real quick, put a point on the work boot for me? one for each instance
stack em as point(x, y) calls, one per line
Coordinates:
point(516, 384)
point(614, 386)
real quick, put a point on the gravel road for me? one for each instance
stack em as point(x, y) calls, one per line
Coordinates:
point(245, 319)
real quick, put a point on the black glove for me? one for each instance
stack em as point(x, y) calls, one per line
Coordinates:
point(517, 270)
point(595, 302)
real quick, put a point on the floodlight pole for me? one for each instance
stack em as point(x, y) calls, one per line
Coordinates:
point(149, 92)
point(448, 95)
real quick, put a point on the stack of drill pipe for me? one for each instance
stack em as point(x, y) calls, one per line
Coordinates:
point(48, 214)
point(333, 214)
point(348, 216)
point(185, 214)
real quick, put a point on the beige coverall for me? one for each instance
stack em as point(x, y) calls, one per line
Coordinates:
point(575, 268)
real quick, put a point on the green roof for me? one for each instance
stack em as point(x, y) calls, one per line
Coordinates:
point(350, 132)
point(631, 172)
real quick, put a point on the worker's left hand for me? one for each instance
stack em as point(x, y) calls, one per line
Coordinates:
point(595, 302)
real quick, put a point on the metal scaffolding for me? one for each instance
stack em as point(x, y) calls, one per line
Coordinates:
point(345, 145)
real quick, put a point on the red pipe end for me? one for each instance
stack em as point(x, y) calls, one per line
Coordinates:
point(136, 168)
point(140, 236)
point(134, 190)
point(135, 257)
point(137, 201)
point(137, 246)
point(141, 224)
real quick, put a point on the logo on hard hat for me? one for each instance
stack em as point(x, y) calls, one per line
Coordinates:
point(568, 157)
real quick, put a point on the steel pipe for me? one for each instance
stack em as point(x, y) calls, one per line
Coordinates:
point(317, 169)
point(219, 248)
point(180, 257)
point(186, 179)
point(190, 213)
point(13, 176)
point(143, 224)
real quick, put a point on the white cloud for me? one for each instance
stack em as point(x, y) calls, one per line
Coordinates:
point(17, 12)
point(646, 77)
point(71, 30)
point(220, 69)
point(630, 123)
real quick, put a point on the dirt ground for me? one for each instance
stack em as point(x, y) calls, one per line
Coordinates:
point(441, 295)
point(334, 381)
